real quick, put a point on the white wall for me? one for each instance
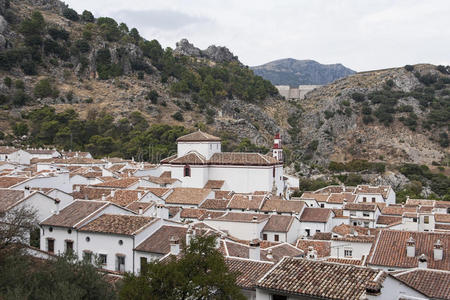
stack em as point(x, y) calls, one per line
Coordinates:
point(242, 230)
point(207, 149)
point(61, 181)
point(358, 249)
point(43, 205)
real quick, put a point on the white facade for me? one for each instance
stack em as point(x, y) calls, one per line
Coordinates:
point(60, 181)
point(349, 249)
point(206, 148)
point(242, 230)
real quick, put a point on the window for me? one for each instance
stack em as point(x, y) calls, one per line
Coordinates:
point(366, 214)
point(364, 199)
point(426, 219)
point(373, 199)
point(448, 210)
point(50, 229)
point(366, 224)
point(102, 259)
point(120, 263)
point(322, 205)
point(120, 242)
point(348, 252)
point(273, 172)
point(187, 171)
point(88, 239)
point(415, 220)
point(265, 236)
point(308, 232)
point(87, 256)
point(276, 237)
point(69, 231)
point(69, 246)
point(51, 245)
point(353, 213)
point(143, 261)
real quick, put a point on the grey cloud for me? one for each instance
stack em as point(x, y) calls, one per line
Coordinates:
point(160, 19)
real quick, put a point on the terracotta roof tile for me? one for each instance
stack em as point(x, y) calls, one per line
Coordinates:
point(214, 184)
point(279, 251)
point(366, 189)
point(345, 261)
point(442, 218)
point(251, 202)
point(191, 158)
point(330, 280)
point(323, 248)
point(159, 241)
point(361, 206)
point(194, 196)
point(198, 136)
point(341, 198)
point(9, 198)
point(125, 197)
point(318, 197)
point(223, 194)
point(344, 229)
point(119, 183)
point(389, 249)
point(433, 284)
point(313, 214)
point(242, 217)
point(135, 206)
point(396, 210)
point(248, 271)
point(242, 159)
point(217, 204)
point(388, 220)
point(90, 193)
point(278, 223)
point(283, 206)
point(118, 224)
point(74, 213)
point(9, 181)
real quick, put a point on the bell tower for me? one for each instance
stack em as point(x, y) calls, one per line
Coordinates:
point(277, 150)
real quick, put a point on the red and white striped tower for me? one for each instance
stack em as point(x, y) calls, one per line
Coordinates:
point(277, 150)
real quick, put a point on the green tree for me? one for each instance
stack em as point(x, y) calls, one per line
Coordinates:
point(87, 16)
point(71, 14)
point(45, 89)
point(201, 273)
point(20, 129)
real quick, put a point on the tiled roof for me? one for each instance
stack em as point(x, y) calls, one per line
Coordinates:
point(366, 189)
point(396, 210)
point(159, 241)
point(192, 158)
point(442, 218)
point(90, 193)
point(245, 159)
point(389, 249)
point(320, 279)
point(388, 220)
point(194, 196)
point(344, 229)
point(251, 202)
point(7, 149)
point(9, 198)
point(119, 183)
point(242, 217)
point(314, 214)
point(8, 181)
point(323, 248)
point(417, 202)
point(323, 236)
point(161, 180)
point(118, 224)
point(283, 206)
point(192, 213)
point(218, 204)
point(214, 184)
point(235, 249)
point(345, 261)
point(361, 206)
point(248, 271)
point(279, 223)
point(431, 283)
point(125, 197)
point(341, 198)
point(198, 136)
point(318, 197)
point(442, 226)
point(159, 192)
point(40, 151)
point(173, 211)
point(336, 189)
point(441, 204)
point(135, 206)
point(223, 194)
point(72, 214)
point(279, 251)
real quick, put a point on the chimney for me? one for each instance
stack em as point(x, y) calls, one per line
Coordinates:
point(422, 261)
point(26, 191)
point(254, 252)
point(162, 211)
point(437, 250)
point(189, 236)
point(139, 195)
point(410, 247)
point(174, 245)
point(77, 188)
point(141, 211)
point(255, 219)
point(113, 192)
point(269, 254)
point(312, 254)
point(103, 197)
point(57, 201)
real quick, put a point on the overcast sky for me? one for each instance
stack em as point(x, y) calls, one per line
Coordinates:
point(361, 34)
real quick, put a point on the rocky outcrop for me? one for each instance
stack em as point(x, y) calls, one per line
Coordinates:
point(215, 53)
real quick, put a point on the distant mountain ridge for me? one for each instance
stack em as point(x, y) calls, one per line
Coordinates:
point(295, 72)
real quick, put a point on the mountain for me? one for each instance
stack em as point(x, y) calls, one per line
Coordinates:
point(294, 72)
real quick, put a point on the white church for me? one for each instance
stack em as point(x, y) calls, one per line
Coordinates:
point(199, 163)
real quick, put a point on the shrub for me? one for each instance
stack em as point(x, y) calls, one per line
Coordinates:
point(178, 116)
point(29, 67)
point(367, 119)
point(443, 139)
point(366, 110)
point(409, 68)
point(328, 114)
point(7, 81)
point(58, 33)
point(87, 16)
point(44, 89)
point(152, 96)
point(358, 97)
point(443, 69)
point(19, 84)
point(20, 129)
point(70, 14)
point(83, 46)
point(20, 98)
point(140, 75)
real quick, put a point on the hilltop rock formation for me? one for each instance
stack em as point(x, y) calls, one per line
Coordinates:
point(215, 53)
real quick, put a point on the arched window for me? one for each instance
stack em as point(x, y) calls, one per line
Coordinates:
point(187, 171)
